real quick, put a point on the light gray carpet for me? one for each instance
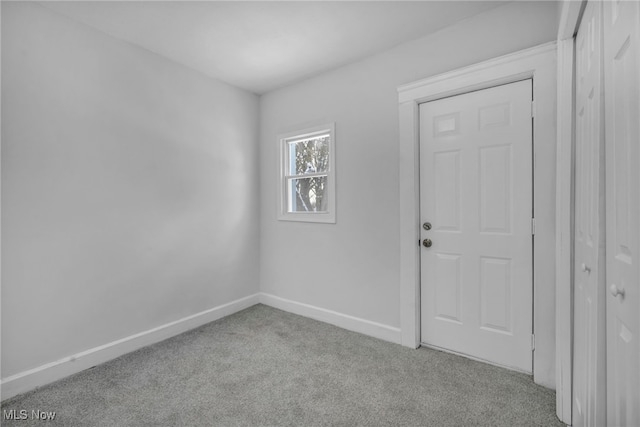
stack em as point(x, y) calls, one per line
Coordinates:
point(263, 366)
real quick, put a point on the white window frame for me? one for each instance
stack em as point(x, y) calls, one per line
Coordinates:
point(328, 216)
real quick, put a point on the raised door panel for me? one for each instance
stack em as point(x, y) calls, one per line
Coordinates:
point(495, 295)
point(446, 165)
point(495, 189)
point(447, 296)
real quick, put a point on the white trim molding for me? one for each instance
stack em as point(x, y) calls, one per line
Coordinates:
point(344, 321)
point(53, 371)
point(569, 22)
point(539, 64)
point(564, 231)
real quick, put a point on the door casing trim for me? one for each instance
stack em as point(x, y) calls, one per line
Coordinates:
point(539, 64)
point(570, 16)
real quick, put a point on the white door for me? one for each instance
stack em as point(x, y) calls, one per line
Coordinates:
point(622, 123)
point(589, 395)
point(476, 192)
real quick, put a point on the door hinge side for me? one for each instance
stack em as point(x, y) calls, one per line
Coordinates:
point(533, 109)
point(533, 342)
point(533, 226)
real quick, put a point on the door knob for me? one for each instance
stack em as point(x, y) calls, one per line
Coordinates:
point(427, 243)
point(615, 291)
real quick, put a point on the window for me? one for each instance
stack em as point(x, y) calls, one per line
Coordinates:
point(307, 175)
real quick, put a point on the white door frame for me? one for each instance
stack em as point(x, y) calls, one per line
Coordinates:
point(569, 23)
point(538, 63)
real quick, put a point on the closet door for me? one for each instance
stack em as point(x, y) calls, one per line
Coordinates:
point(589, 296)
point(622, 122)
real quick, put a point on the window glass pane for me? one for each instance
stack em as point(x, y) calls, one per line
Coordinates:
point(308, 194)
point(309, 156)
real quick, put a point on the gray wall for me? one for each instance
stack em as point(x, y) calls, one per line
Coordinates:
point(132, 193)
point(129, 194)
point(359, 255)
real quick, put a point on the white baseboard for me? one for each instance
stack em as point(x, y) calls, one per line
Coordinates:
point(45, 374)
point(355, 324)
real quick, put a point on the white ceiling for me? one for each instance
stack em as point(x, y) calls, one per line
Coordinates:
point(260, 46)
